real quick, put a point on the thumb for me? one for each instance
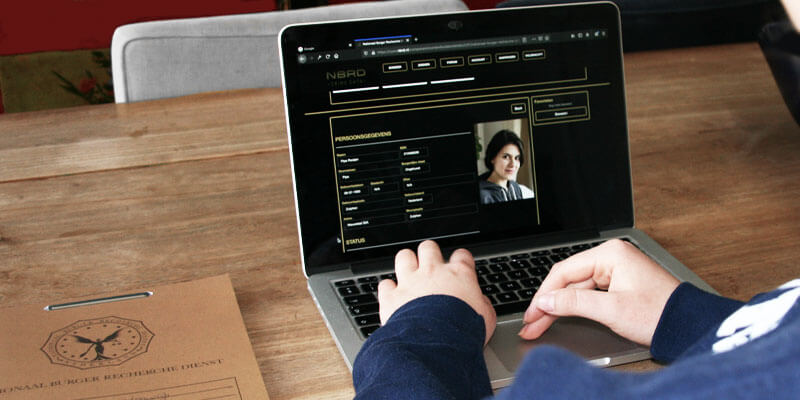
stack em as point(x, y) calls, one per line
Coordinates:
point(386, 306)
point(385, 287)
point(593, 304)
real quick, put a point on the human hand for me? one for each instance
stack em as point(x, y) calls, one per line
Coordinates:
point(637, 289)
point(426, 273)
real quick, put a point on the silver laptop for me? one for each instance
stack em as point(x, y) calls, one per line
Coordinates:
point(500, 131)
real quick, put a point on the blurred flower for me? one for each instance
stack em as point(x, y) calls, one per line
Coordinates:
point(87, 85)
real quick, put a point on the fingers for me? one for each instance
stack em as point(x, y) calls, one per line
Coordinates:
point(405, 262)
point(564, 274)
point(572, 302)
point(489, 319)
point(429, 254)
point(637, 289)
point(426, 273)
point(576, 269)
point(463, 257)
point(586, 270)
point(384, 288)
point(427, 257)
point(587, 303)
point(535, 312)
point(536, 328)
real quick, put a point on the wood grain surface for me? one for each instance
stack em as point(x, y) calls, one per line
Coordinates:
point(110, 197)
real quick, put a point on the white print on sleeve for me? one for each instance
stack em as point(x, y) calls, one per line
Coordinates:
point(753, 321)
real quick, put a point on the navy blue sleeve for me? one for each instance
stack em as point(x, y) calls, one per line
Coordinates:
point(760, 360)
point(431, 348)
point(689, 314)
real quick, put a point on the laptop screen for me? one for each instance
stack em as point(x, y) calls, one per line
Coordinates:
point(464, 128)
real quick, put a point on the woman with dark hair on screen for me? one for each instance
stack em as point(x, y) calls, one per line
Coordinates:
point(503, 160)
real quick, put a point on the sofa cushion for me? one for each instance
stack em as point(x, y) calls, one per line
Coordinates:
point(161, 59)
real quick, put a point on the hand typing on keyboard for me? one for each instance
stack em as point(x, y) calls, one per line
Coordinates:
point(426, 273)
point(634, 292)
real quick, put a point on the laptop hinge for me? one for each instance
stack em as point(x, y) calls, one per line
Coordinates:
point(387, 263)
point(535, 241)
point(372, 266)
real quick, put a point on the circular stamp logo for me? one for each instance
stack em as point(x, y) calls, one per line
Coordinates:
point(99, 342)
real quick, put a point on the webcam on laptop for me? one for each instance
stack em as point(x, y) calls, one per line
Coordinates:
point(455, 25)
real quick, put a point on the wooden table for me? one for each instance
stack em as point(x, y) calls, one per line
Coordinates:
point(103, 198)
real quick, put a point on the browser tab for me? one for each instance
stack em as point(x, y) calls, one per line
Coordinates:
point(451, 62)
point(423, 64)
point(506, 57)
point(395, 67)
point(480, 59)
point(533, 55)
point(382, 41)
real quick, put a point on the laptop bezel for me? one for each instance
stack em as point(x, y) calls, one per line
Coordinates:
point(307, 271)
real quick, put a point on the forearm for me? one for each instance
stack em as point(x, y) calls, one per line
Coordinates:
point(688, 315)
point(430, 348)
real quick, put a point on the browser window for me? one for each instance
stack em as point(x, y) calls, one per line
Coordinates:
point(417, 136)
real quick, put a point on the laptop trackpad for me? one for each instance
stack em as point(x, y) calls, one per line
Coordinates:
point(588, 339)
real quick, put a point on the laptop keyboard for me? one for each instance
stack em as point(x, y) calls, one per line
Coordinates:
point(508, 281)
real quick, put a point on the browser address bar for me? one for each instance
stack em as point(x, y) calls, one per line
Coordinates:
point(448, 46)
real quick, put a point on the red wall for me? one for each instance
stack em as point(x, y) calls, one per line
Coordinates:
point(31, 26)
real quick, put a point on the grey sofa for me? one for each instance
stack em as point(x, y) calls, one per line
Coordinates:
point(161, 59)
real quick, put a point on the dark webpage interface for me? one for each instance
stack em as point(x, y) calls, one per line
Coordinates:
point(391, 130)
